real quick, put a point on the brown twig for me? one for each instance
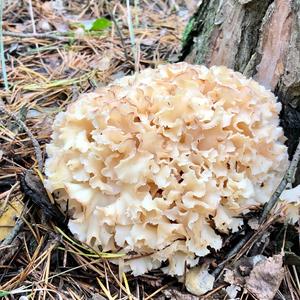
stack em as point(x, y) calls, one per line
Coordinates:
point(119, 32)
point(209, 295)
point(8, 251)
point(18, 226)
point(232, 253)
point(3, 207)
point(35, 143)
point(36, 35)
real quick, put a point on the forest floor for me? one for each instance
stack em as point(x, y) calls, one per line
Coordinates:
point(54, 51)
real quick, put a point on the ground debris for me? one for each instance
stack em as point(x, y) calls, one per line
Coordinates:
point(32, 187)
point(265, 278)
point(175, 294)
point(261, 276)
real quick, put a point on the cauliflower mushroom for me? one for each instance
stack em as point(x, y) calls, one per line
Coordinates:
point(160, 162)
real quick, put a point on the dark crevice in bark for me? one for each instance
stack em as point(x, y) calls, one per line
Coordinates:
point(254, 14)
point(199, 25)
point(288, 88)
point(290, 116)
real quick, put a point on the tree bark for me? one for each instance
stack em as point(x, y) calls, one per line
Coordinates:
point(260, 38)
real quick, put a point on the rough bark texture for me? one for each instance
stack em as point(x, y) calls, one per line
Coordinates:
point(260, 38)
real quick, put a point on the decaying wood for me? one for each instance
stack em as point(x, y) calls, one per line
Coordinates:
point(258, 38)
point(32, 187)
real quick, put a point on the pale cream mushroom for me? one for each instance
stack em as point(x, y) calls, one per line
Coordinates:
point(159, 163)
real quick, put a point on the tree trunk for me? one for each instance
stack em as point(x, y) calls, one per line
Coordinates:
point(260, 38)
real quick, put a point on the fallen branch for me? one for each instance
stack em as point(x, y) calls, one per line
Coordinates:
point(111, 14)
point(2, 57)
point(35, 35)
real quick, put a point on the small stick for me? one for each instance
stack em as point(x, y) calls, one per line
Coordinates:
point(3, 207)
point(231, 253)
point(35, 35)
point(3, 65)
point(18, 226)
point(119, 33)
point(131, 34)
point(32, 17)
point(288, 178)
point(36, 146)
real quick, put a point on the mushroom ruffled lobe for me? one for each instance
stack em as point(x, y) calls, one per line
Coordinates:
point(161, 162)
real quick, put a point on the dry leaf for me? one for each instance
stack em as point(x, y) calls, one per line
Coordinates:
point(9, 217)
point(265, 278)
point(103, 63)
point(43, 25)
point(229, 276)
point(97, 297)
point(54, 6)
point(232, 291)
point(241, 269)
point(177, 295)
